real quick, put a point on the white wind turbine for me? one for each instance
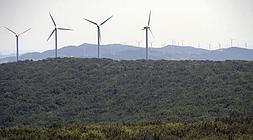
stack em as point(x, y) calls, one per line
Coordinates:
point(98, 30)
point(55, 32)
point(147, 29)
point(17, 39)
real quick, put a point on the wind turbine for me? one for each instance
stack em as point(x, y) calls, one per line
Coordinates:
point(147, 28)
point(231, 42)
point(55, 32)
point(182, 41)
point(219, 45)
point(198, 45)
point(210, 45)
point(17, 38)
point(151, 44)
point(164, 44)
point(139, 43)
point(246, 44)
point(99, 33)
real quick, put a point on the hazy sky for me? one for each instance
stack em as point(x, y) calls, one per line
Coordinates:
point(194, 21)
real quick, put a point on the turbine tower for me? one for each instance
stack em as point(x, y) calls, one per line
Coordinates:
point(98, 30)
point(147, 29)
point(55, 33)
point(17, 38)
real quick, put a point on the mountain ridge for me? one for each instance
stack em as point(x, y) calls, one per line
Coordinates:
point(128, 52)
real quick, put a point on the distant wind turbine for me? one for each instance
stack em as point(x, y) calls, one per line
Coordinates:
point(198, 45)
point(147, 28)
point(164, 44)
point(17, 38)
point(246, 44)
point(139, 43)
point(55, 32)
point(172, 42)
point(125, 43)
point(210, 45)
point(151, 44)
point(182, 41)
point(231, 42)
point(99, 33)
point(219, 45)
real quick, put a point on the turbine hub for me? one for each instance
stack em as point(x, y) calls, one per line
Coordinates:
point(147, 27)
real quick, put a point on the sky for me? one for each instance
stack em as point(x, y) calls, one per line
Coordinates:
point(189, 22)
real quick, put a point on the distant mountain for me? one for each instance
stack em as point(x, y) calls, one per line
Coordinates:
point(233, 53)
point(6, 55)
point(182, 52)
point(127, 52)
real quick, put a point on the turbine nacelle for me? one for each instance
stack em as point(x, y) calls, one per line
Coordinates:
point(147, 27)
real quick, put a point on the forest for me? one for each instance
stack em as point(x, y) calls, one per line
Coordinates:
point(103, 95)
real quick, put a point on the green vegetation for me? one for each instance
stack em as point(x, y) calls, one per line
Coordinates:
point(225, 129)
point(72, 91)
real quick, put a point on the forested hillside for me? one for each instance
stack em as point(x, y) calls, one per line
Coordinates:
point(72, 90)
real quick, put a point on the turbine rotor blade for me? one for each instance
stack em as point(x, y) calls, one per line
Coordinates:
point(10, 30)
point(151, 32)
point(149, 18)
point(25, 31)
point(65, 29)
point(106, 20)
point(91, 21)
point(51, 34)
point(52, 19)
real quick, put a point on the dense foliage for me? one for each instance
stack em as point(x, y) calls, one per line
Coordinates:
point(206, 130)
point(72, 90)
